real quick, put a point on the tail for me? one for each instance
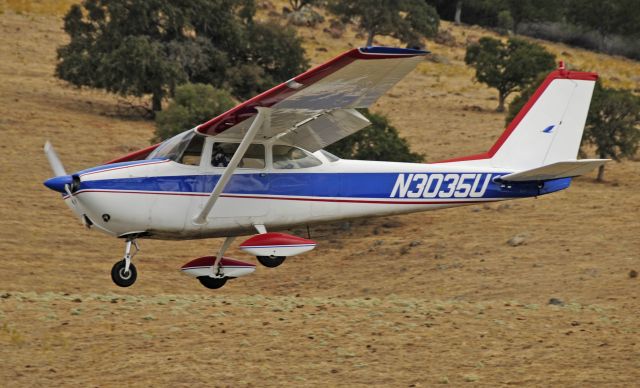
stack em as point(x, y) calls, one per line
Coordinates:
point(548, 129)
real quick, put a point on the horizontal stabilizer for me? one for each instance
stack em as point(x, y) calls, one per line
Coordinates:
point(556, 170)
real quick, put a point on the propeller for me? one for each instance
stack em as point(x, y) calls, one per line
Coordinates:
point(62, 182)
point(54, 160)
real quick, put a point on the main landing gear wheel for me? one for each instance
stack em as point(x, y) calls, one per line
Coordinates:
point(271, 261)
point(121, 276)
point(212, 283)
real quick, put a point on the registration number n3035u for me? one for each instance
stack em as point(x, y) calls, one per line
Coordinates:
point(437, 185)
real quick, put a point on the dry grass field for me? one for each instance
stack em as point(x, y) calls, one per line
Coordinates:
point(418, 300)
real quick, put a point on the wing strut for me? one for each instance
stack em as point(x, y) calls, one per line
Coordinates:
point(264, 114)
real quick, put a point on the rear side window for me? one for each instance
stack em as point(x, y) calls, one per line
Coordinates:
point(223, 152)
point(289, 157)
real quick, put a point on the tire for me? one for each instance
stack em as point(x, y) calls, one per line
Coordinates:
point(212, 283)
point(122, 279)
point(271, 261)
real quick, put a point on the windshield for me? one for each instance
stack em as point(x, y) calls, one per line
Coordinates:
point(172, 148)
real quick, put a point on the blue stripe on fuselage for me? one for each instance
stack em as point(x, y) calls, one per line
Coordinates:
point(347, 185)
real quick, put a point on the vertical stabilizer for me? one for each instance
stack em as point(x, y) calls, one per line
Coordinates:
point(549, 127)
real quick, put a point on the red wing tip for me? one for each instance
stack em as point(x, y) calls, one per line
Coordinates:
point(391, 51)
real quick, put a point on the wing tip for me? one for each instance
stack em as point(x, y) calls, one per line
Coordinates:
point(391, 51)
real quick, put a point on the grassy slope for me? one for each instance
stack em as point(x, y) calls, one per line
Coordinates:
point(365, 308)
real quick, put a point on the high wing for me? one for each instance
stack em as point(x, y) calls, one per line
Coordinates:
point(317, 107)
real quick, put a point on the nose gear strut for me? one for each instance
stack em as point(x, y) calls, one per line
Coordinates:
point(124, 273)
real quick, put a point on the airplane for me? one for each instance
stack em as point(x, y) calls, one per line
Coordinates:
point(260, 167)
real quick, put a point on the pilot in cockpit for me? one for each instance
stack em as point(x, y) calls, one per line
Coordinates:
point(219, 158)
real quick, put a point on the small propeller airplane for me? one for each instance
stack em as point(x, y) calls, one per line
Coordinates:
point(261, 167)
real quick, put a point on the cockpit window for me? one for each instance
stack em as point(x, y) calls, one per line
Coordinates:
point(289, 157)
point(187, 143)
point(223, 152)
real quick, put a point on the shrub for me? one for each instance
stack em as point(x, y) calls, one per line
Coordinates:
point(193, 104)
point(379, 141)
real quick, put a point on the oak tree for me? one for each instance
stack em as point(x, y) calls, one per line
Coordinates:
point(508, 67)
point(138, 47)
point(405, 20)
point(379, 141)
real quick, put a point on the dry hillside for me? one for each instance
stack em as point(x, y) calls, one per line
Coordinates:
point(417, 300)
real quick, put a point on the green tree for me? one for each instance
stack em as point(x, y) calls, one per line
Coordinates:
point(601, 16)
point(273, 54)
point(192, 104)
point(613, 122)
point(525, 94)
point(379, 141)
point(533, 11)
point(508, 67)
point(406, 20)
point(137, 47)
point(500, 13)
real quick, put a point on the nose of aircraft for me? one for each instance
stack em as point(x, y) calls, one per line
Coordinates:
point(58, 183)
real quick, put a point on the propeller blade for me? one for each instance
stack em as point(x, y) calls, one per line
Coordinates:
point(54, 160)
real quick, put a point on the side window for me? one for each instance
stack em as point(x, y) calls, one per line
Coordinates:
point(191, 155)
point(289, 157)
point(223, 152)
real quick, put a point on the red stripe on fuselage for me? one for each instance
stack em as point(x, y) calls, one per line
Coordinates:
point(240, 196)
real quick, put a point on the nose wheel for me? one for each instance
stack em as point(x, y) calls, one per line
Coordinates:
point(124, 273)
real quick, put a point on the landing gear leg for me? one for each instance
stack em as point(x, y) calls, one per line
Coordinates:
point(124, 273)
point(217, 279)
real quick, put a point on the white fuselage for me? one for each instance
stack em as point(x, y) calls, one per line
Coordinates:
point(160, 198)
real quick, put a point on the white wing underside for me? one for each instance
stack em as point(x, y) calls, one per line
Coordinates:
point(324, 112)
